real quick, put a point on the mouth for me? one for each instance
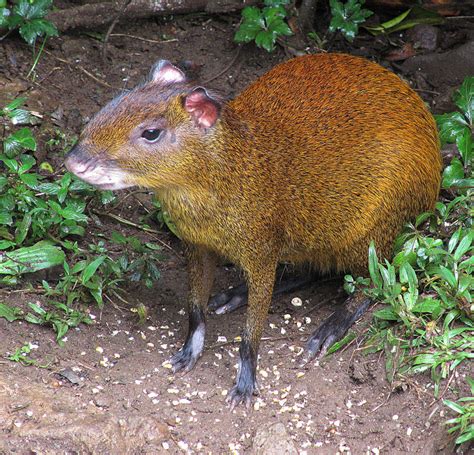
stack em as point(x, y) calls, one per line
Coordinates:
point(102, 175)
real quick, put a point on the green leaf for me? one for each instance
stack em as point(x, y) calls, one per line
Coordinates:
point(453, 173)
point(271, 14)
point(465, 437)
point(279, 27)
point(450, 126)
point(35, 28)
point(4, 18)
point(253, 14)
point(447, 275)
point(464, 98)
point(464, 245)
point(408, 19)
point(247, 32)
point(10, 313)
point(373, 266)
point(18, 141)
point(465, 145)
point(40, 256)
point(265, 40)
point(91, 269)
point(22, 229)
point(5, 218)
point(34, 9)
point(454, 406)
point(341, 343)
point(106, 197)
point(408, 275)
point(386, 314)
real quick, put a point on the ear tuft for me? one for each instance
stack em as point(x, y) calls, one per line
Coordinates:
point(165, 72)
point(203, 108)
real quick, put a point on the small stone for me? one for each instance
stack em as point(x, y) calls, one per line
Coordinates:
point(296, 301)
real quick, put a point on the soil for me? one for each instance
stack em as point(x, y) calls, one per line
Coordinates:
point(108, 389)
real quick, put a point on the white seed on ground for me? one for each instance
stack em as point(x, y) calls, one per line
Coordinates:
point(300, 374)
point(152, 395)
point(171, 390)
point(150, 327)
point(183, 445)
point(221, 339)
point(165, 445)
point(409, 431)
point(224, 392)
point(167, 364)
point(296, 301)
point(99, 349)
point(395, 417)
point(150, 345)
point(348, 404)
point(307, 320)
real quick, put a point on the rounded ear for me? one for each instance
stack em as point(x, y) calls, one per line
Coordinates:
point(203, 108)
point(165, 72)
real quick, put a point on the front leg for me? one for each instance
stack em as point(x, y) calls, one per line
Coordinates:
point(201, 269)
point(261, 278)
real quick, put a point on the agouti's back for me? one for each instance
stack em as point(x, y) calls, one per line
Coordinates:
point(351, 151)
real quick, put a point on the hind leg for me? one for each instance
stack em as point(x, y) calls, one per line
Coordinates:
point(335, 326)
point(232, 299)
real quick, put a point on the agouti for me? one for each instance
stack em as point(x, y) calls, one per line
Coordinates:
point(313, 161)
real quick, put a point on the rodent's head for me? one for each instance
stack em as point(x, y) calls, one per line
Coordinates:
point(149, 136)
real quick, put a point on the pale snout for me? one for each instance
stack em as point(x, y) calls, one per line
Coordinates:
point(103, 174)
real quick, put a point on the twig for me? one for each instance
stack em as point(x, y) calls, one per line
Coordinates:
point(426, 91)
point(382, 404)
point(87, 73)
point(147, 40)
point(112, 26)
point(234, 59)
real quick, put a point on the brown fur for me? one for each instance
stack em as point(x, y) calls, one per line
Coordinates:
point(310, 163)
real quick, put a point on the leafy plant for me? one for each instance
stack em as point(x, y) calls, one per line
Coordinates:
point(456, 128)
point(265, 25)
point(408, 19)
point(426, 323)
point(347, 17)
point(61, 317)
point(463, 424)
point(21, 355)
point(28, 16)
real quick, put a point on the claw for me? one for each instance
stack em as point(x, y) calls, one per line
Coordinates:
point(237, 396)
point(187, 356)
point(332, 330)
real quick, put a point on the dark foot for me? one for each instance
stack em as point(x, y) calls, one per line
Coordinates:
point(232, 299)
point(246, 383)
point(187, 356)
point(334, 327)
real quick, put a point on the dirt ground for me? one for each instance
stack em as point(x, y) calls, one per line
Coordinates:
point(108, 390)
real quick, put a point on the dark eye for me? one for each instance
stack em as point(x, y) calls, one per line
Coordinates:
point(151, 135)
